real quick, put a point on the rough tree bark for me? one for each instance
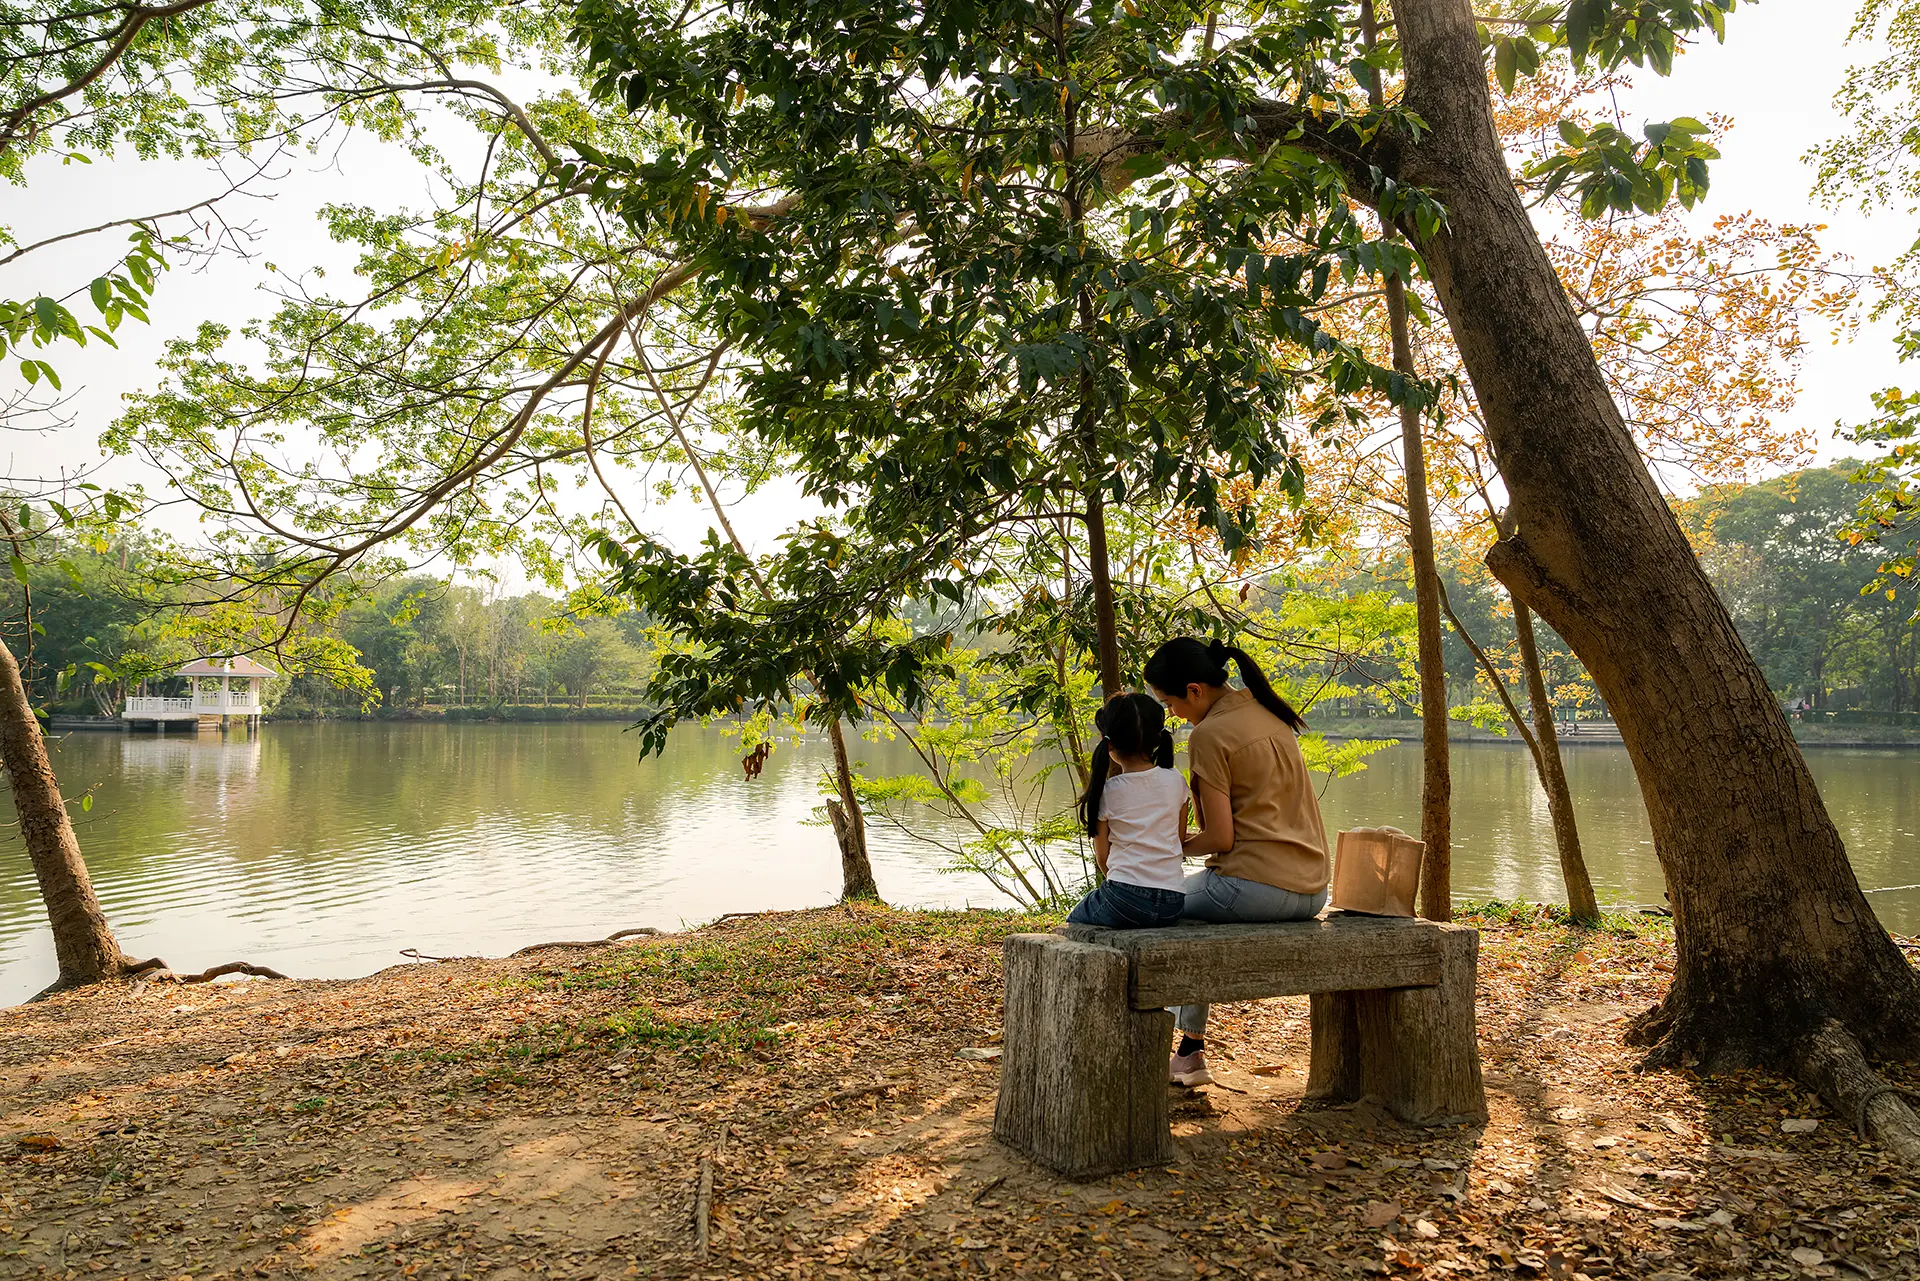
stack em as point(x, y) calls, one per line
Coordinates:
point(83, 944)
point(1581, 901)
point(1775, 941)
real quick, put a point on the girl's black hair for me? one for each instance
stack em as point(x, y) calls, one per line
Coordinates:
point(1185, 661)
point(1132, 725)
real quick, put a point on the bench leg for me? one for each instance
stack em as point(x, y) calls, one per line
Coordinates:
point(1083, 1080)
point(1414, 1048)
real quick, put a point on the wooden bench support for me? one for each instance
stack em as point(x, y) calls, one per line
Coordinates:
point(1413, 1048)
point(1083, 1085)
point(1083, 1081)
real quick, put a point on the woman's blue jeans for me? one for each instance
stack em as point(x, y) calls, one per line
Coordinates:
point(1228, 900)
point(1119, 906)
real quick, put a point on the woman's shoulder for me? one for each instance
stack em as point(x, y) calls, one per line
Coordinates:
point(1241, 722)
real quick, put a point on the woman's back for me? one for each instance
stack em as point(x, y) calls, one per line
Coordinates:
point(1243, 750)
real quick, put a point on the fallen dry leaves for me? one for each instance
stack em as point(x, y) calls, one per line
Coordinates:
point(551, 1116)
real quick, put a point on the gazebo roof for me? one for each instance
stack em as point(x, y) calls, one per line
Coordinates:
point(241, 666)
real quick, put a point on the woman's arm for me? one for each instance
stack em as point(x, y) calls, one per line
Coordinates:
point(1102, 842)
point(1216, 812)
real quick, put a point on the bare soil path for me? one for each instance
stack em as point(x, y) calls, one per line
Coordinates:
point(549, 1116)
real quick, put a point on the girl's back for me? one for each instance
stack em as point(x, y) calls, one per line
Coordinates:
point(1142, 810)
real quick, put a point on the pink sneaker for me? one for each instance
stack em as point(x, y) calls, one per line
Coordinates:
point(1189, 1069)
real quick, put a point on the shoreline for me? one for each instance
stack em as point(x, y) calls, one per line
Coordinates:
point(1338, 730)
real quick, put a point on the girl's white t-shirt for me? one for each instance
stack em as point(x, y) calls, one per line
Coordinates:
point(1142, 811)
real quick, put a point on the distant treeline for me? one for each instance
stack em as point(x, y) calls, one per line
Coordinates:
point(1777, 551)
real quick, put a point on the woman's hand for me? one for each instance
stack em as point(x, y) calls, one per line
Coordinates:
point(1102, 843)
point(1216, 813)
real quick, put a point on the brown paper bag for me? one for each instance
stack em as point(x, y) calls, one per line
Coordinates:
point(1376, 870)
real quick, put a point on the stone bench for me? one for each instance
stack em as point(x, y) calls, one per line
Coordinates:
point(1083, 1078)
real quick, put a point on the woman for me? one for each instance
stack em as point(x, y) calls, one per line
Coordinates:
point(1261, 834)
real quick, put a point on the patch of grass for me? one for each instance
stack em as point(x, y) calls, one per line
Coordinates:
point(1523, 915)
point(727, 993)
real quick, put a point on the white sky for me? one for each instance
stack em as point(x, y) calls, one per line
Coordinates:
point(1775, 76)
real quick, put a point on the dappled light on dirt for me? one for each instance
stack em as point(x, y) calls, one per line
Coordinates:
point(548, 1116)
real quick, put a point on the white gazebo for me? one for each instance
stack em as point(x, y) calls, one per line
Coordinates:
point(217, 689)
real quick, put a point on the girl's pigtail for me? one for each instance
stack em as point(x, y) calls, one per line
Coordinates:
point(1263, 692)
point(1163, 750)
point(1096, 783)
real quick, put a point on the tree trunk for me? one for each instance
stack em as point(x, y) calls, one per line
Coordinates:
point(1436, 778)
point(83, 944)
point(849, 827)
point(1774, 937)
point(1101, 573)
point(1581, 903)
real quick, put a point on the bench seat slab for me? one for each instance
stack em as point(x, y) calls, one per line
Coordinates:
point(1187, 964)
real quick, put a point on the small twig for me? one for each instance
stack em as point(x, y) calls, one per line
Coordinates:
point(614, 937)
point(842, 1096)
point(415, 954)
point(703, 1208)
point(988, 1186)
point(733, 916)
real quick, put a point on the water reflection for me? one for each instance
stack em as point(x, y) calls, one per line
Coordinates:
point(323, 850)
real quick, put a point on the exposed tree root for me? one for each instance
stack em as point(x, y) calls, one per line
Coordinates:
point(1830, 1060)
point(156, 971)
point(614, 937)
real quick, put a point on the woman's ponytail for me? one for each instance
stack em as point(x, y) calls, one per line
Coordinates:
point(1185, 661)
point(1257, 685)
point(1163, 750)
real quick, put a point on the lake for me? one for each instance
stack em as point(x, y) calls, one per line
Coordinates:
point(323, 850)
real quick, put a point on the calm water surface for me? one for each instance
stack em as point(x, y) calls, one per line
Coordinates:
point(324, 850)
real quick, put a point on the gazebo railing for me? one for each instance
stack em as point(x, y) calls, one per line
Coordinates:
point(156, 706)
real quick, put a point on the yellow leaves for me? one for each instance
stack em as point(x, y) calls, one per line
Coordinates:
point(739, 96)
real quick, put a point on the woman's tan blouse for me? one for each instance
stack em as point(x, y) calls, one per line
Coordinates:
point(1244, 750)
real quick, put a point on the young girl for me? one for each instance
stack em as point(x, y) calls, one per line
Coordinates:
point(1135, 810)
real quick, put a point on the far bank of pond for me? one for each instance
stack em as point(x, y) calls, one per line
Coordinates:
point(324, 849)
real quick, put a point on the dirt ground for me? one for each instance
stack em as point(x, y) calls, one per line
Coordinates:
point(553, 1116)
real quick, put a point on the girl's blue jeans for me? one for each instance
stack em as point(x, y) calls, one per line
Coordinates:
point(1226, 900)
point(1118, 906)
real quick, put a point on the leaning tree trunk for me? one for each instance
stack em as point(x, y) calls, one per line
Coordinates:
point(82, 942)
point(1582, 905)
point(849, 825)
point(1775, 941)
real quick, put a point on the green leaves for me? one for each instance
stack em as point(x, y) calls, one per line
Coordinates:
point(1606, 33)
point(44, 320)
point(1607, 170)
